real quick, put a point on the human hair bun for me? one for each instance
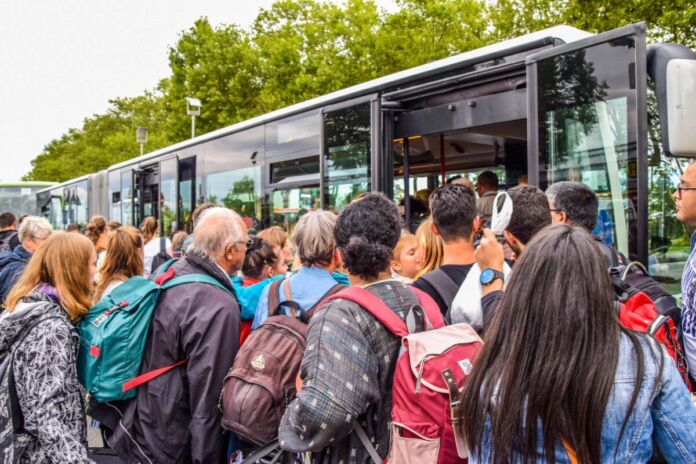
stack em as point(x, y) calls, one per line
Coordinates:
point(365, 258)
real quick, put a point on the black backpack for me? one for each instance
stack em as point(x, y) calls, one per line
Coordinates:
point(15, 437)
point(161, 257)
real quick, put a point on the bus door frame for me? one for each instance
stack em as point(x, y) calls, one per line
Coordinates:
point(638, 31)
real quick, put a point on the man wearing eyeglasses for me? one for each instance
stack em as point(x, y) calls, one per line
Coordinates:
point(685, 202)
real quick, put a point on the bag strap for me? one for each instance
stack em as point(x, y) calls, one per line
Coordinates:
point(273, 298)
point(164, 268)
point(376, 458)
point(443, 285)
point(194, 279)
point(307, 315)
point(430, 308)
point(374, 306)
point(153, 374)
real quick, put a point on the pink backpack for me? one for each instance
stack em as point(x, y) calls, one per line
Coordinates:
point(429, 375)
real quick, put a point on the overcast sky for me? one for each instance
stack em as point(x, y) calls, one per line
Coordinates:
point(61, 61)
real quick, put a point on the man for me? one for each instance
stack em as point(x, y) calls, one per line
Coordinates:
point(8, 233)
point(577, 204)
point(453, 209)
point(175, 417)
point(33, 231)
point(487, 189)
point(530, 214)
point(685, 202)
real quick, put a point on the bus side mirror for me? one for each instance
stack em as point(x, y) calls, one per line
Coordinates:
point(675, 91)
point(681, 107)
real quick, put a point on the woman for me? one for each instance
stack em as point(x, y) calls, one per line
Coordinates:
point(124, 259)
point(149, 228)
point(261, 263)
point(52, 294)
point(276, 236)
point(429, 247)
point(559, 376)
point(316, 250)
point(406, 260)
point(348, 366)
point(97, 231)
point(178, 244)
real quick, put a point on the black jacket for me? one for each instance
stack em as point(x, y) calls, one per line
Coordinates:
point(175, 417)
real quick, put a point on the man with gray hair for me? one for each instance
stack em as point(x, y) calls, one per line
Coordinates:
point(32, 232)
point(175, 417)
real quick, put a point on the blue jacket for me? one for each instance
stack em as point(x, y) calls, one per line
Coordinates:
point(306, 287)
point(663, 412)
point(11, 268)
point(248, 297)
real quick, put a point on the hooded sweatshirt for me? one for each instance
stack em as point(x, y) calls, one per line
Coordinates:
point(46, 379)
point(11, 267)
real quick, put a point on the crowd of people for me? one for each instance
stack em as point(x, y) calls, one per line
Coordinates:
point(558, 379)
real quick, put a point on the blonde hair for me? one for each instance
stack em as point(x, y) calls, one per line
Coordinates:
point(405, 239)
point(149, 228)
point(431, 245)
point(123, 258)
point(61, 261)
point(274, 235)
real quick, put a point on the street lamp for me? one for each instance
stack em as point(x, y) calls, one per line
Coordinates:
point(141, 137)
point(193, 109)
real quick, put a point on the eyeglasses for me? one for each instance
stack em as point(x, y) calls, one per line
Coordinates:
point(556, 210)
point(682, 187)
point(247, 243)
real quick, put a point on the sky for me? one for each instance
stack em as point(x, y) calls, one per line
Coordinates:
point(61, 61)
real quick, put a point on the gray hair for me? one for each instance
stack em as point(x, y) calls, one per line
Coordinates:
point(217, 228)
point(34, 228)
point(578, 201)
point(313, 238)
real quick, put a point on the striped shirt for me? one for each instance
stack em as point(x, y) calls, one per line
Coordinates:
point(689, 307)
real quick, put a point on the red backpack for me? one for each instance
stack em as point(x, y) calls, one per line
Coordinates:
point(430, 370)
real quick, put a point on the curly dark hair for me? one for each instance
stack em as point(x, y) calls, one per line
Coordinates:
point(366, 233)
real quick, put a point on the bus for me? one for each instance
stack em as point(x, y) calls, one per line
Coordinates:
point(19, 198)
point(557, 104)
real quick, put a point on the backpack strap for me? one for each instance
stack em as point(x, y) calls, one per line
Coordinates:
point(307, 315)
point(194, 279)
point(163, 244)
point(374, 306)
point(430, 308)
point(443, 285)
point(274, 298)
point(153, 374)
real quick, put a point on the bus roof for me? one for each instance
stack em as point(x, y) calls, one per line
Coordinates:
point(563, 33)
point(29, 183)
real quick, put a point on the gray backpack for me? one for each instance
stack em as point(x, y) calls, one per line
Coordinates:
point(13, 438)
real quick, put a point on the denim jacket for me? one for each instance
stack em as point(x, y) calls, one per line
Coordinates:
point(663, 412)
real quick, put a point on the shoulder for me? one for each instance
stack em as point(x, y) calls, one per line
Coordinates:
point(651, 351)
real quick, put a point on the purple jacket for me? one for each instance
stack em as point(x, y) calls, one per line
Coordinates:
point(175, 417)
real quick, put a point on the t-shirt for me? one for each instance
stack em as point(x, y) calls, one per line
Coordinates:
point(456, 272)
point(151, 249)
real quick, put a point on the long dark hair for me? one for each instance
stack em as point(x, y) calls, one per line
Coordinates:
point(550, 355)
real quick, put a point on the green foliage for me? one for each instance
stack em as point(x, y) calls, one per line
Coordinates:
point(300, 49)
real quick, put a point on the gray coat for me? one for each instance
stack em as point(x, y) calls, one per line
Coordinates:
point(46, 380)
point(175, 417)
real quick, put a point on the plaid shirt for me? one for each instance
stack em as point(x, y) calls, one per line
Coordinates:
point(347, 373)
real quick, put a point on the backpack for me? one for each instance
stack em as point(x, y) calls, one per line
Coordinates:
point(443, 285)
point(644, 306)
point(5, 241)
point(14, 438)
point(114, 332)
point(430, 370)
point(161, 257)
point(261, 382)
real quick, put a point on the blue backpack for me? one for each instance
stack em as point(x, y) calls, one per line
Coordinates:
point(114, 332)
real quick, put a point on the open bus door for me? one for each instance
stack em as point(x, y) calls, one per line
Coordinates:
point(587, 122)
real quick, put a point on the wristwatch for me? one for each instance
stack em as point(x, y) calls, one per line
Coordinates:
point(489, 275)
